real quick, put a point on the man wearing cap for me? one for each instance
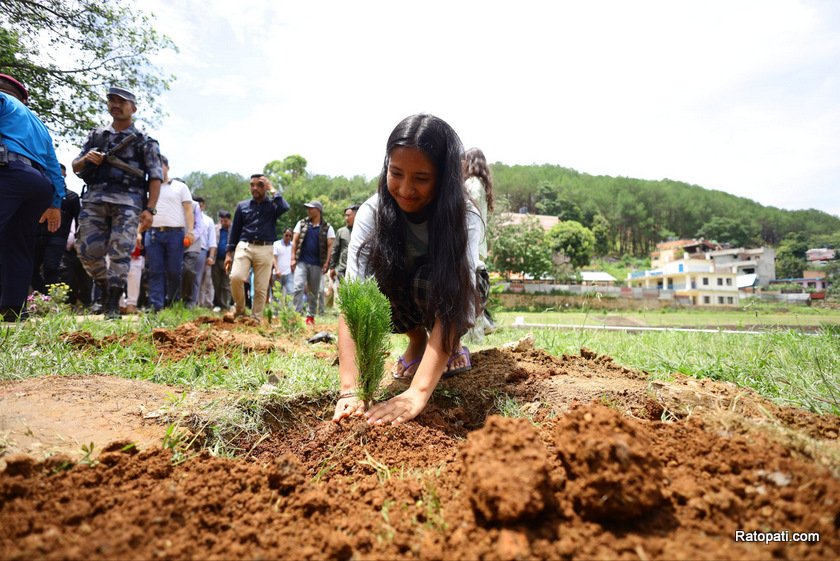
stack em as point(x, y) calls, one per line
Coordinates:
point(122, 171)
point(338, 259)
point(221, 282)
point(311, 248)
point(250, 243)
point(173, 223)
point(31, 190)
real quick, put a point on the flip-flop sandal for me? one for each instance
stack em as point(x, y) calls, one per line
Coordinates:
point(408, 368)
point(464, 352)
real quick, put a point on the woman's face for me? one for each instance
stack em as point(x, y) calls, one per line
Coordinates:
point(411, 179)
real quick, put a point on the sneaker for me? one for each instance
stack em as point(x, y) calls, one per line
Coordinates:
point(216, 309)
point(310, 320)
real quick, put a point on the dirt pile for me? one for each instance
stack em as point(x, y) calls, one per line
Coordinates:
point(614, 466)
point(499, 494)
point(612, 472)
point(589, 484)
point(202, 335)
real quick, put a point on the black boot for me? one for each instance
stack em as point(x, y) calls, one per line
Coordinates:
point(100, 294)
point(113, 307)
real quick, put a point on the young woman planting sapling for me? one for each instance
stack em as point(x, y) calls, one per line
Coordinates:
point(418, 236)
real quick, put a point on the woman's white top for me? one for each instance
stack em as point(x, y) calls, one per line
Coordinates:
point(417, 238)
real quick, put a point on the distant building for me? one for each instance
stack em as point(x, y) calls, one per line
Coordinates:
point(819, 256)
point(813, 281)
point(546, 221)
point(667, 252)
point(693, 281)
point(758, 266)
point(597, 278)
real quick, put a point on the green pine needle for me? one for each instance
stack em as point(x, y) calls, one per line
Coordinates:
point(367, 313)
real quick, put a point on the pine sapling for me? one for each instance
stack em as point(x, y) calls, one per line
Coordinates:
point(367, 313)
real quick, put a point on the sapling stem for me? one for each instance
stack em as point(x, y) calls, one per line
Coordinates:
point(367, 313)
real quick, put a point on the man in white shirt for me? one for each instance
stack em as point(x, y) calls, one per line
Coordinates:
point(164, 242)
point(210, 243)
point(283, 264)
point(194, 259)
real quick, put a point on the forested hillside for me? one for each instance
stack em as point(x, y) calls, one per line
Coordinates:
point(629, 216)
point(641, 213)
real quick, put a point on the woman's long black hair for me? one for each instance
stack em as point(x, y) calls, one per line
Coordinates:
point(453, 295)
point(475, 165)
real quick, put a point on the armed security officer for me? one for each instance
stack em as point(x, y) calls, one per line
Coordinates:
point(118, 164)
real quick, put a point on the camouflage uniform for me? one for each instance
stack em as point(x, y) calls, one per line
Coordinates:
point(112, 204)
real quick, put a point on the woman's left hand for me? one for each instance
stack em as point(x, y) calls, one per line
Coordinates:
point(348, 406)
point(398, 409)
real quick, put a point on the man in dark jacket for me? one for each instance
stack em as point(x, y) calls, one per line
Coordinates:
point(251, 243)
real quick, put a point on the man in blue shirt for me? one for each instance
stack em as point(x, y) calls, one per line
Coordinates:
point(31, 186)
point(251, 243)
point(221, 282)
point(311, 249)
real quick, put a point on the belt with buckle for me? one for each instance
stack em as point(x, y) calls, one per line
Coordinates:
point(167, 228)
point(24, 160)
point(259, 242)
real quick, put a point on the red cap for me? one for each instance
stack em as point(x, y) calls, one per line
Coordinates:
point(20, 87)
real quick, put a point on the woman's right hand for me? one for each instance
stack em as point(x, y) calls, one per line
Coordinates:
point(347, 406)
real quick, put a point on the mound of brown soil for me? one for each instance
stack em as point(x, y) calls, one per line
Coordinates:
point(501, 494)
point(199, 336)
point(615, 467)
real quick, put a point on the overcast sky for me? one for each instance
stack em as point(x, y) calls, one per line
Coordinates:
point(738, 95)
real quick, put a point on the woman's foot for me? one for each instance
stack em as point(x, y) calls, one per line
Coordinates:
point(409, 361)
point(404, 369)
point(459, 361)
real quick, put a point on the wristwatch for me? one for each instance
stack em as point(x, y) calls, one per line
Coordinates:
point(151, 210)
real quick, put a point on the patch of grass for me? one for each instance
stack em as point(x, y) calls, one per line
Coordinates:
point(791, 368)
point(506, 406)
point(381, 469)
point(87, 455)
point(433, 508)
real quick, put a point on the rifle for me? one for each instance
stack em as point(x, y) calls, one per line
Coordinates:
point(112, 159)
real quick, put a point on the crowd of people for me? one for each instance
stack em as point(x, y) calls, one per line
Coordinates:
point(421, 236)
point(139, 238)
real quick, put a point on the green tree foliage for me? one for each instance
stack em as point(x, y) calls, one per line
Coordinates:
point(367, 313)
point(99, 43)
point(725, 230)
point(574, 240)
point(225, 189)
point(642, 213)
point(790, 257)
point(221, 191)
point(286, 172)
point(832, 275)
point(520, 248)
point(601, 231)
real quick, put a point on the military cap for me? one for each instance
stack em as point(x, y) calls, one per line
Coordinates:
point(123, 93)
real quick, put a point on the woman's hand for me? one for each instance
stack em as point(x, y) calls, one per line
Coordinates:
point(347, 406)
point(398, 409)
